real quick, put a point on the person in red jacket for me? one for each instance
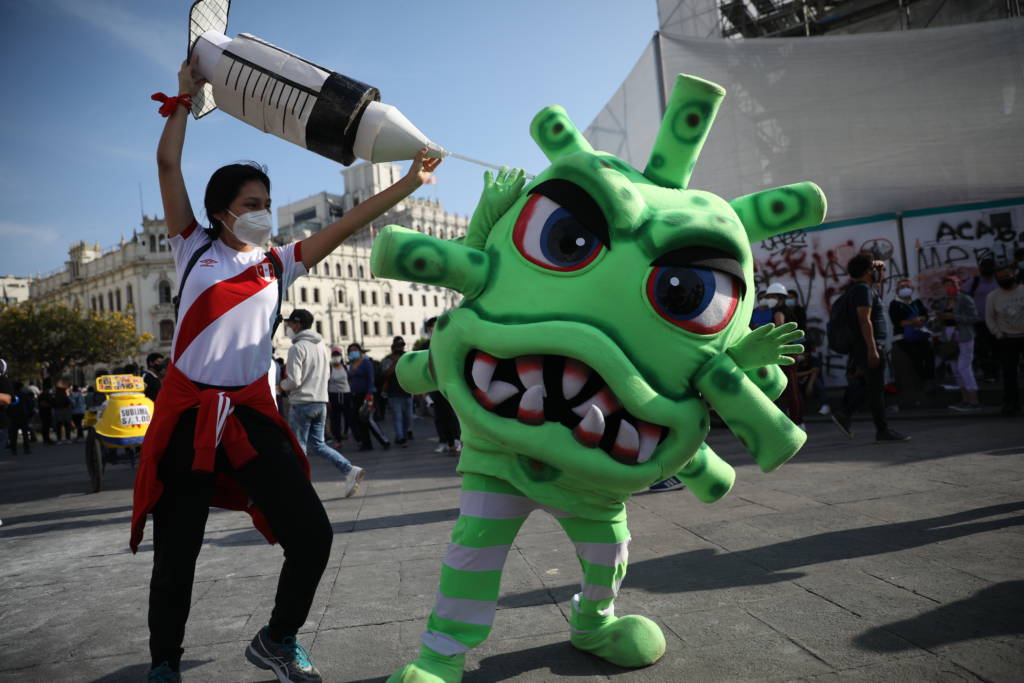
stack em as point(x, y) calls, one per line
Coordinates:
point(217, 437)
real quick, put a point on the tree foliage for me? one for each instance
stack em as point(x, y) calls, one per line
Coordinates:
point(58, 337)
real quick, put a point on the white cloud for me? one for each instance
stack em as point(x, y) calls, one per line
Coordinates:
point(144, 36)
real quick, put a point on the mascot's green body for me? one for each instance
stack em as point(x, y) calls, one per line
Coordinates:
point(603, 307)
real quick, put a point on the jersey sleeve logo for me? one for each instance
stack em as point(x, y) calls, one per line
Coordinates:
point(208, 262)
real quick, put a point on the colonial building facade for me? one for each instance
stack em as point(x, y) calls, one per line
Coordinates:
point(13, 289)
point(348, 303)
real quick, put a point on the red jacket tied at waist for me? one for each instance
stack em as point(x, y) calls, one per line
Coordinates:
point(216, 425)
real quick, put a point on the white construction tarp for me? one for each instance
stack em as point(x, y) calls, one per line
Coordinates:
point(884, 122)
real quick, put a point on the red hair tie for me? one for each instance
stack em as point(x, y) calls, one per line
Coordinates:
point(171, 103)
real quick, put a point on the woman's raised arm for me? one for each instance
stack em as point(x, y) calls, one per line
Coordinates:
point(320, 244)
point(177, 207)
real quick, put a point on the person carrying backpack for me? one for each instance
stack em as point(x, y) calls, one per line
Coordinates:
point(857, 323)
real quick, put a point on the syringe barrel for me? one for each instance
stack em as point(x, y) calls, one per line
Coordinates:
point(283, 94)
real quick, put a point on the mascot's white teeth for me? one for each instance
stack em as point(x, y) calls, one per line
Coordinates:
point(496, 394)
point(483, 370)
point(591, 428)
point(535, 389)
point(531, 405)
point(574, 377)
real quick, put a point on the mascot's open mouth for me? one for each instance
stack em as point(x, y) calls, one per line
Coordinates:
point(536, 389)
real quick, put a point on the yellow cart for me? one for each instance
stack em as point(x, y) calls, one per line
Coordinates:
point(116, 428)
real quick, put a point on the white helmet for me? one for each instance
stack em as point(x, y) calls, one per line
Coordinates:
point(776, 288)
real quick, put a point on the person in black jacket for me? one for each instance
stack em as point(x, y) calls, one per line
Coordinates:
point(154, 369)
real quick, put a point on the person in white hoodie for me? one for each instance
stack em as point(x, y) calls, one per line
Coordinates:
point(307, 372)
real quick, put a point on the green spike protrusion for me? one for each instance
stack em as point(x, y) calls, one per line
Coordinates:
point(781, 209)
point(688, 117)
point(556, 134)
point(403, 254)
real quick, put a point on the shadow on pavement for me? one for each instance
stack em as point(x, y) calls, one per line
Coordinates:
point(61, 514)
point(708, 569)
point(137, 672)
point(994, 611)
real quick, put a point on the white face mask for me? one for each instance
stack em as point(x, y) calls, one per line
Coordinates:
point(905, 292)
point(764, 302)
point(253, 228)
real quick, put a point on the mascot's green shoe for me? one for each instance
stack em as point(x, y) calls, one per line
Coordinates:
point(432, 667)
point(631, 641)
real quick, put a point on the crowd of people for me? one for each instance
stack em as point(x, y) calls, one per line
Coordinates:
point(975, 327)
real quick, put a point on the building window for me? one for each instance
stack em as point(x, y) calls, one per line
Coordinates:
point(319, 327)
point(101, 303)
point(373, 298)
point(93, 303)
point(284, 295)
point(164, 292)
point(361, 275)
point(312, 271)
point(152, 243)
point(166, 330)
point(366, 328)
point(316, 295)
point(424, 299)
point(401, 326)
point(362, 298)
point(350, 270)
point(129, 298)
point(337, 270)
point(341, 296)
point(435, 299)
point(391, 329)
point(302, 295)
point(343, 328)
point(117, 299)
point(376, 328)
point(387, 298)
point(304, 215)
point(162, 243)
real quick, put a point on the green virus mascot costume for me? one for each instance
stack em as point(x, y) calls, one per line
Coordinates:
point(604, 309)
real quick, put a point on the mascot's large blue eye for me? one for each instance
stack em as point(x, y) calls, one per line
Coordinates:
point(699, 300)
point(548, 235)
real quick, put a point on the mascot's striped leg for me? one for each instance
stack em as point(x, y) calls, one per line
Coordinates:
point(603, 551)
point(490, 515)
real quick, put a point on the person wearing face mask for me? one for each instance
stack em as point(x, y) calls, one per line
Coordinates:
point(360, 379)
point(217, 437)
point(762, 313)
point(1004, 316)
point(909, 318)
point(958, 316)
point(338, 397)
point(399, 400)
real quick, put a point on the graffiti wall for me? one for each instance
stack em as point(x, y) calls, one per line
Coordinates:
point(922, 245)
point(813, 263)
point(943, 242)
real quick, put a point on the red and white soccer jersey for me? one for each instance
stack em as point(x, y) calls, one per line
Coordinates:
point(227, 309)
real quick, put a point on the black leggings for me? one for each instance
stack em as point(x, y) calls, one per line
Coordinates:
point(276, 483)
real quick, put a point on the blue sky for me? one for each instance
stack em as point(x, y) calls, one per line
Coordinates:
point(78, 130)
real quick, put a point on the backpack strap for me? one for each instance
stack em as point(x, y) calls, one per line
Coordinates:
point(184, 276)
point(275, 263)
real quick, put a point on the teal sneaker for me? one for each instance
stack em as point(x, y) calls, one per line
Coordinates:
point(288, 660)
point(163, 673)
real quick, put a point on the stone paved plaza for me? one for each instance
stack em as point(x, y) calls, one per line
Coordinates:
point(854, 561)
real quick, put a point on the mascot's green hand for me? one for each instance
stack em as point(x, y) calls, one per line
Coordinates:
point(499, 195)
point(767, 345)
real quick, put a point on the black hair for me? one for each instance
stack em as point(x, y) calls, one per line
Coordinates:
point(152, 357)
point(224, 186)
point(356, 344)
point(858, 265)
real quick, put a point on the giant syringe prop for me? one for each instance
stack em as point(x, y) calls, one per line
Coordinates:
point(285, 95)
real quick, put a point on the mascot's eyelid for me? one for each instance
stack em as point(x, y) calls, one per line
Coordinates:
point(579, 203)
point(703, 257)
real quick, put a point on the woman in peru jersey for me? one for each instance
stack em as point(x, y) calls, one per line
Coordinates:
point(217, 437)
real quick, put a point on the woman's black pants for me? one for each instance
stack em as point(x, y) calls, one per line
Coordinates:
point(276, 483)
